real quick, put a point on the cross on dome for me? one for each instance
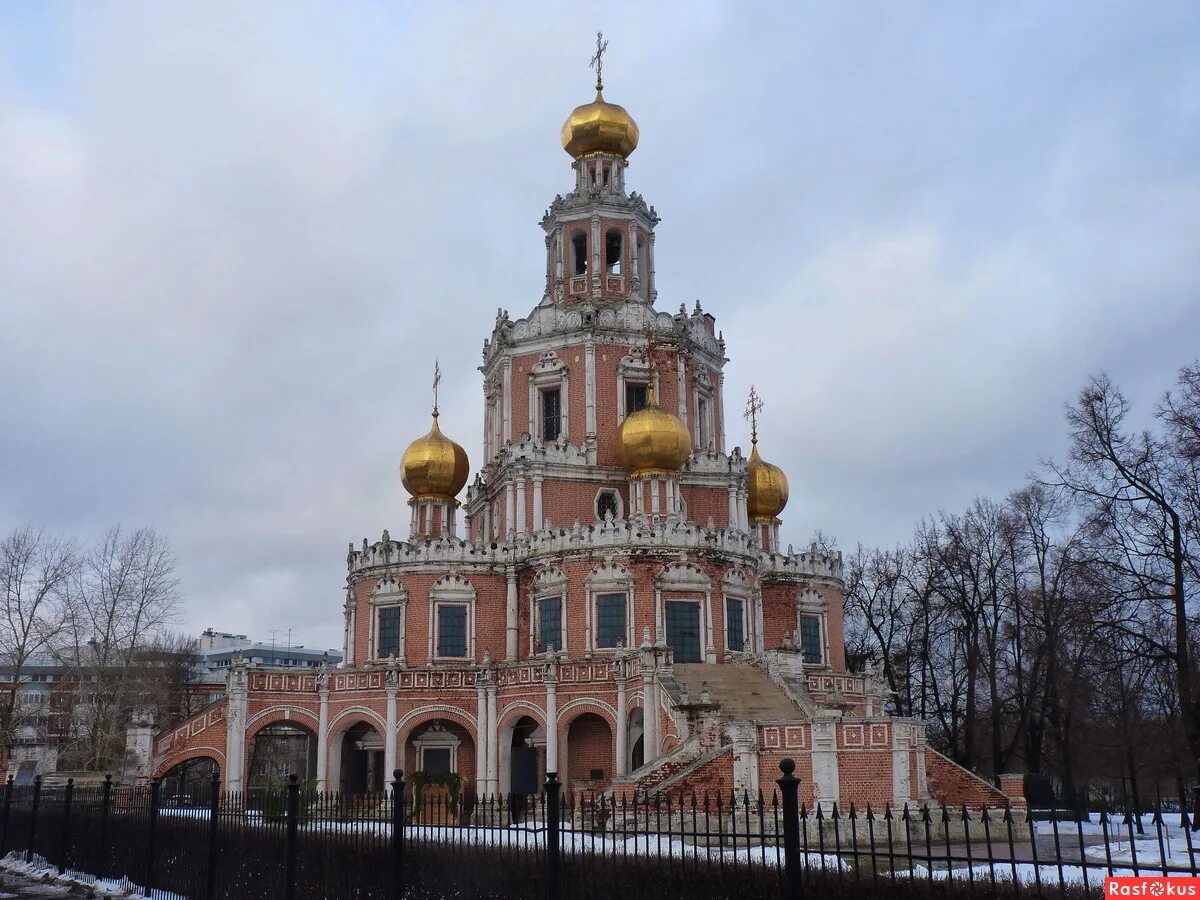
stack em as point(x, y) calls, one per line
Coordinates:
point(597, 61)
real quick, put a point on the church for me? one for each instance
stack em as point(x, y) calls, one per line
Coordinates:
point(607, 597)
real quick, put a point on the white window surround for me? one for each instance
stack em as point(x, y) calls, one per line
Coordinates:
point(435, 737)
point(736, 586)
point(386, 593)
point(811, 603)
point(632, 369)
point(682, 579)
point(451, 590)
point(705, 423)
point(616, 493)
point(548, 583)
point(549, 372)
point(608, 579)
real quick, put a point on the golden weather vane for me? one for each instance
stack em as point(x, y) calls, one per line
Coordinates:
point(597, 61)
point(437, 378)
point(754, 406)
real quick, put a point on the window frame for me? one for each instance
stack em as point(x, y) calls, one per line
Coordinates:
point(543, 417)
point(380, 610)
point(620, 514)
point(820, 623)
point(539, 631)
point(623, 638)
point(741, 623)
point(438, 607)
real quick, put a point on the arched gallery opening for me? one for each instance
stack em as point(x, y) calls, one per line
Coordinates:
point(280, 750)
point(589, 753)
point(190, 782)
point(362, 761)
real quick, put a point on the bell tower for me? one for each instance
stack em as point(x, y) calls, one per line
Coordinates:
point(600, 238)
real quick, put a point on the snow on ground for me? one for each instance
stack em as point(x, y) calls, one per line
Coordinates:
point(41, 870)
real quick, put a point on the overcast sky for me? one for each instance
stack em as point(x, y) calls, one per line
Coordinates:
point(234, 236)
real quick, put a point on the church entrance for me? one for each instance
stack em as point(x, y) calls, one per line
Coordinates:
point(524, 767)
point(683, 630)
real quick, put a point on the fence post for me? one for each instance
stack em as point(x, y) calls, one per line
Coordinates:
point(8, 789)
point(37, 796)
point(154, 788)
point(397, 834)
point(214, 809)
point(789, 794)
point(553, 866)
point(293, 815)
point(66, 827)
point(101, 845)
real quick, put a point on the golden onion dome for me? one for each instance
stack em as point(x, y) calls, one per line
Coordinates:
point(599, 127)
point(768, 489)
point(652, 440)
point(434, 467)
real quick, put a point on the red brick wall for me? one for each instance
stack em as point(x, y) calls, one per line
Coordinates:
point(953, 785)
point(589, 746)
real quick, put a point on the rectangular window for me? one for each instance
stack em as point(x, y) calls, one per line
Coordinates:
point(703, 432)
point(452, 630)
point(810, 638)
point(551, 414)
point(610, 619)
point(735, 636)
point(437, 762)
point(388, 640)
point(635, 398)
point(549, 624)
point(683, 630)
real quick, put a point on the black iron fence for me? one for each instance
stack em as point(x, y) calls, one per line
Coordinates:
point(292, 841)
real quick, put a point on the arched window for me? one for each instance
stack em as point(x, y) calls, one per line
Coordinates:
point(607, 505)
point(612, 252)
point(579, 253)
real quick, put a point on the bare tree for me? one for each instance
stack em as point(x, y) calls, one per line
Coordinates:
point(1136, 492)
point(36, 569)
point(125, 594)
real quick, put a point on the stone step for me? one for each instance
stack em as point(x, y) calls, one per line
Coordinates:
point(743, 692)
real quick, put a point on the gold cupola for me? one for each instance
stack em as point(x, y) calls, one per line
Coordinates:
point(599, 126)
point(434, 467)
point(652, 441)
point(767, 492)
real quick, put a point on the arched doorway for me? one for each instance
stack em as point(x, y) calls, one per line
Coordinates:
point(190, 782)
point(280, 750)
point(589, 756)
point(362, 757)
point(527, 756)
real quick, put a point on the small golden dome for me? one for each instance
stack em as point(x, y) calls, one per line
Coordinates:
point(599, 127)
point(653, 440)
point(434, 467)
point(768, 489)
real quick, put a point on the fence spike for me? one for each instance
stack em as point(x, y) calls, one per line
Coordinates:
point(887, 812)
point(925, 817)
point(853, 812)
point(965, 816)
point(983, 815)
point(906, 817)
point(820, 813)
point(870, 815)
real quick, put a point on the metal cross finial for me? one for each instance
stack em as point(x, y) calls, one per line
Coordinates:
point(597, 61)
point(754, 406)
point(437, 377)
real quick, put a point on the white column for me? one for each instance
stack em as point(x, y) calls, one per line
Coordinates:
point(537, 501)
point(506, 370)
point(510, 616)
point(389, 739)
point(482, 731)
point(622, 728)
point(521, 504)
point(493, 762)
point(509, 509)
point(235, 729)
point(590, 388)
point(654, 495)
point(741, 511)
point(721, 410)
point(710, 650)
point(650, 719)
point(733, 516)
point(412, 524)
point(683, 393)
point(323, 731)
point(551, 727)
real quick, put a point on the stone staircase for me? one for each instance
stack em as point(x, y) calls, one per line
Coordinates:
point(952, 785)
point(745, 693)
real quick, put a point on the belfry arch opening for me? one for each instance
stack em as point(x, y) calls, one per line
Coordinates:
point(579, 261)
point(612, 252)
